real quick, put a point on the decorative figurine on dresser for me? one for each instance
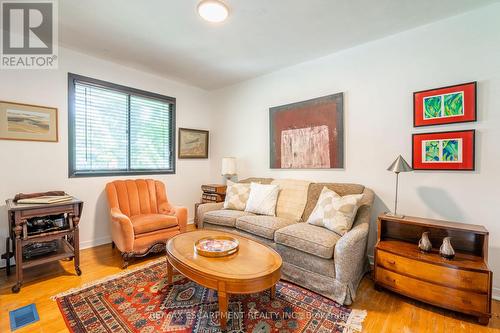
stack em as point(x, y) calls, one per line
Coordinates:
point(43, 227)
point(457, 278)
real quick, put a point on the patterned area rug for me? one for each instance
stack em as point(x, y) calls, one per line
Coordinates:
point(140, 301)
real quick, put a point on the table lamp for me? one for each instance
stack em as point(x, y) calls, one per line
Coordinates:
point(399, 165)
point(228, 167)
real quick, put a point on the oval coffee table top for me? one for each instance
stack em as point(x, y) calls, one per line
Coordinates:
point(253, 260)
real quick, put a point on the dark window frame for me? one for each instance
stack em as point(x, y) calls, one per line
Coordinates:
point(72, 172)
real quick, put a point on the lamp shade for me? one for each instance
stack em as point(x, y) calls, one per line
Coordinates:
point(399, 165)
point(228, 166)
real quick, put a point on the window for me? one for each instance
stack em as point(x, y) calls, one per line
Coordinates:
point(116, 130)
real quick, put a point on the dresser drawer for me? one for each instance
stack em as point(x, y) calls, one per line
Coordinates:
point(451, 277)
point(465, 301)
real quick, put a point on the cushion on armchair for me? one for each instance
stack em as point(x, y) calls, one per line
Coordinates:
point(151, 222)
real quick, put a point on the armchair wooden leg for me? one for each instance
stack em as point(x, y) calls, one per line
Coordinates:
point(126, 256)
point(113, 245)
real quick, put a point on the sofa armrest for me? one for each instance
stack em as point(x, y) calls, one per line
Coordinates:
point(365, 203)
point(182, 217)
point(350, 254)
point(122, 231)
point(350, 251)
point(205, 208)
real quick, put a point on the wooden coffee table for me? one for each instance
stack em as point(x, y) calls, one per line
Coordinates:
point(254, 268)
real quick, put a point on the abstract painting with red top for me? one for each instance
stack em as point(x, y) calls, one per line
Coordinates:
point(308, 134)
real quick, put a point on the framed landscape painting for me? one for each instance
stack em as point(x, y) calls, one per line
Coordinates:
point(452, 150)
point(27, 122)
point(308, 134)
point(193, 143)
point(446, 105)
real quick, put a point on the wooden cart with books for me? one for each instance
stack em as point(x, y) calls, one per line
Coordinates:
point(41, 233)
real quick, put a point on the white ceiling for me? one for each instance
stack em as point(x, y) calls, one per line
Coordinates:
point(167, 37)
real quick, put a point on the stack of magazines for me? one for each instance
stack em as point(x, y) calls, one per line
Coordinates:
point(46, 199)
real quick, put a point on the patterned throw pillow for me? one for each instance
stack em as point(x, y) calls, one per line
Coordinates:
point(236, 196)
point(334, 212)
point(262, 199)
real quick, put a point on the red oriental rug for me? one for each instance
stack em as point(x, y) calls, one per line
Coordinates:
point(140, 301)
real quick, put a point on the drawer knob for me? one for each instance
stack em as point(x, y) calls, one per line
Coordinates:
point(390, 280)
point(391, 262)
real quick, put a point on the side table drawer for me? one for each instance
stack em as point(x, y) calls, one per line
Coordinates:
point(465, 301)
point(436, 274)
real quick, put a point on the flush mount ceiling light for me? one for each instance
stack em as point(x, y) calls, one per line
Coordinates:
point(213, 10)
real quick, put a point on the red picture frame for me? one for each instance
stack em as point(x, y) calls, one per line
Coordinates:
point(445, 105)
point(452, 150)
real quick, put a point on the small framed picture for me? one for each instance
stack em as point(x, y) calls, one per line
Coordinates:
point(27, 122)
point(452, 150)
point(446, 105)
point(193, 143)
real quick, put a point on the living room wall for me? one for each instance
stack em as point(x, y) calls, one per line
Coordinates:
point(378, 79)
point(42, 166)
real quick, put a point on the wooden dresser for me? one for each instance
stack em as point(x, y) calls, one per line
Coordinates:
point(462, 284)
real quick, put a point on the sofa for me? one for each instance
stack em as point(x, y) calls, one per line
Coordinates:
point(313, 257)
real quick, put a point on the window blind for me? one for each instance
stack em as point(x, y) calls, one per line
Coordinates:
point(149, 134)
point(116, 130)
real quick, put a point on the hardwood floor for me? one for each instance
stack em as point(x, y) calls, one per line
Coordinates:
point(387, 312)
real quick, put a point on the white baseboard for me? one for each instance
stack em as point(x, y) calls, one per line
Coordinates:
point(496, 293)
point(95, 242)
point(371, 259)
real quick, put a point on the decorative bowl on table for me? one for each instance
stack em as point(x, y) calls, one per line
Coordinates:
point(216, 246)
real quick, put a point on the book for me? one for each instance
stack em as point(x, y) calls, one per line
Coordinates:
point(46, 199)
point(213, 197)
point(214, 188)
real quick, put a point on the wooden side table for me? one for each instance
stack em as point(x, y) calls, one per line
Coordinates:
point(462, 284)
point(67, 239)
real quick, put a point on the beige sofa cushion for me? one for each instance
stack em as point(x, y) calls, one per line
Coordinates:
point(225, 217)
point(308, 238)
point(236, 196)
point(292, 198)
point(256, 180)
point(262, 199)
point(263, 226)
point(315, 189)
point(334, 212)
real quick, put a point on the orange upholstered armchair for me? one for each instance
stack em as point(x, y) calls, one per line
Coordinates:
point(142, 219)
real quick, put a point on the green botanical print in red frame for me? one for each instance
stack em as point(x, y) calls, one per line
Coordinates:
point(452, 150)
point(453, 104)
